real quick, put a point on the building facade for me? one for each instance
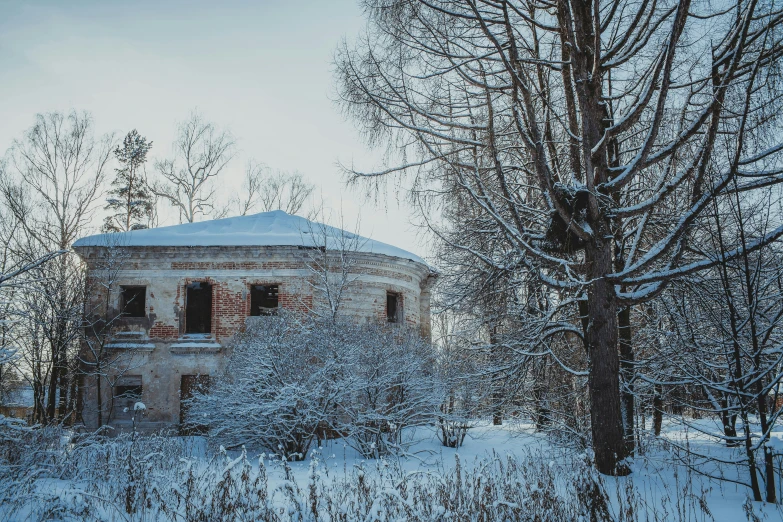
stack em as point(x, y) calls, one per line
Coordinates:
point(164, 303)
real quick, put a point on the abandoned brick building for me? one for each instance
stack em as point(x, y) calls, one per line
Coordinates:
point(180, 293)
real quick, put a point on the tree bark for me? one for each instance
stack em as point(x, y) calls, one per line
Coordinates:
point(657, 410)
point(627, 373)
point(54, 378)
point(729, 423)
point(496, 380)
point(99, 398)
point(604, 364)
point(62, 399)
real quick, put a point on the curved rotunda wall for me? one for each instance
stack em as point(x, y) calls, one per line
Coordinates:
point(159, 352)
point(165, 271)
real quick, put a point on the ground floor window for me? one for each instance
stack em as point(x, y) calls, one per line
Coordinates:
point(189, 385)
point(126, 393)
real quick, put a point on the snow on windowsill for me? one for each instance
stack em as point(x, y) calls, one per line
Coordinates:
point(131, 346)
point(195, 345)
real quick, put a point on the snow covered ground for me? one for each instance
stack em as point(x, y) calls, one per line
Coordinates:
point(182, 479)
point(655, 475)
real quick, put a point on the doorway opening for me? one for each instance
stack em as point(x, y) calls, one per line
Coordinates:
point(189, 386)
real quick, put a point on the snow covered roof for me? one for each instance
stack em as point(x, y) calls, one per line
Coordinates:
point(274, 228)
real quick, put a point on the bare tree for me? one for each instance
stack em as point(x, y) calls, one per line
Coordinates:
point(201, 152)
point(332, 260)
point(726, 340)
point(252, 188)
point(54, 181)
point(286, 191)
point(593, 134)
point(457, 367)
point(387, 382)
point(264, 190)
point(263, 397)
point(367, 382)
point(102, 361)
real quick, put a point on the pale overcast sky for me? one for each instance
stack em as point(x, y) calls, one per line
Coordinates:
point(261, 69)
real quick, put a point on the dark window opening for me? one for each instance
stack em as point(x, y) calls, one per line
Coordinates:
point(126, 395)
point(393, 307)
point(189, 386)
point(198, 308)
point(263, 300)
point(133, 300)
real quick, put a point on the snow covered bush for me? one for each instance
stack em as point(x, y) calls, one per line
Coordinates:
point(274, 390)
point(291, 380)
point(388, 383)
point(460, 372)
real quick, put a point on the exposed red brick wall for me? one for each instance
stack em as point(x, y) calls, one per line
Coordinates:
point(230, 265)
point(295, 303)
point(286, 299)
point(231, 304)
point(164, 331)
point(233, 270)
point(230, 307)
point(229, 310)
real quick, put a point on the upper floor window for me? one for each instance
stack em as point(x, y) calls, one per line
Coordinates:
point(263, 300)
point(393, 307)
point(198, 308)
point(133, 300)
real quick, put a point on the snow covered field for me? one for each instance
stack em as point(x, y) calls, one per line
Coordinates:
point(501, 473)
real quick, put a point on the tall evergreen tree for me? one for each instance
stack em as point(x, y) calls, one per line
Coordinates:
point(130, 199)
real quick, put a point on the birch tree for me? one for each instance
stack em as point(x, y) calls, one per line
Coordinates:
point(201, 153)
point(265, 190)
point(593, 134)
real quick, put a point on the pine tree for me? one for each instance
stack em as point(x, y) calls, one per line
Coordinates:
point(130, 200)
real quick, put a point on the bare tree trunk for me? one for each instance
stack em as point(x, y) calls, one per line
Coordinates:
point(62, 399)
point(729, 422)
point(752, 296)
point(657, 410)
point(769, 465)
point(497, 389)
point(754, 479)
point(71, 407)
point(497, 413)
point(53, 380)
point(627, 373)
point(604, 378)
point(99, 397)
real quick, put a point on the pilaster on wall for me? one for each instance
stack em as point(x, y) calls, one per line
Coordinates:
point(425, 301)
point(228, 310)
